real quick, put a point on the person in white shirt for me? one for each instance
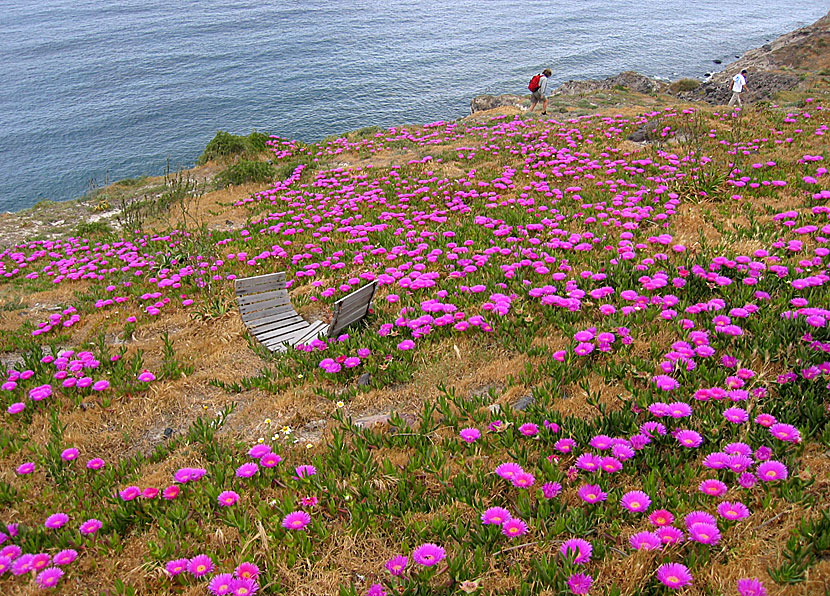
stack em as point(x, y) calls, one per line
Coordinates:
point(738, 85)
point(541, 94)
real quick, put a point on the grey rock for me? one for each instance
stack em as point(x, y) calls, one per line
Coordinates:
point(629, 79)
point(482, 103)
point(364, 380)
point(523, 402)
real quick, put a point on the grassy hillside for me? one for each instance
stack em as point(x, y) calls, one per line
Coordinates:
point(592, 366)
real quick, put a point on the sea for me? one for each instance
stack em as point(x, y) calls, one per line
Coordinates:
point(94, 91)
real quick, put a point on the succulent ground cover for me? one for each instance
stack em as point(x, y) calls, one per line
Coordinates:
point(659, 311)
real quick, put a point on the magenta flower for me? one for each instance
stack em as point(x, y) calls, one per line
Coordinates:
point(90, 526)
point(470, 435)
point(564, 445)
point(495, 516)
point(674, 575)
point(220, 585)
point(712, 487)
point(736, 415)
point(591, 493)
point(772, 470)
point(95, 463)
point(129, 493)
point(257, 451)
point(578, 548)
point(65, 557)
point(69, 454)
point(296, 520)
point(40, 561)
point(170, 493)
point(5, 564)
point(48, 578)
point(785, 432)
point(523, 480)
point(528, 429)
point(635, 501)
point(580, 583)
point(247, 470)
point(406, 344)
point(22, 565)
point(397, 565)
point(514, 527)
point(688, 438)
point(733, 510)
point(669, 535)
point(665, 382)
point(376, 590)
point(699, 517)
point(766, 420)
point(246, 570)
point(305, 471)
point(269, 460)
point(26, 468)
point(645, 541)
point(56, 520)
point(610, 464)
point(428, 554)
point(751, 586)
point(176, 566)
point(227, 498)
point(661, 517)
point(16, 407)
point(704, 533)
point(146, 377)
point(551, 489)
point(200, 565)
point(588, 462)
point(509, 470)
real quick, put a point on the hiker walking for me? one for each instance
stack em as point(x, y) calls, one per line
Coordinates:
point(539, 90)
point(738, 85)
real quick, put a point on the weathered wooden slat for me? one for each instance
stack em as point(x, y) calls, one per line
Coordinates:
point(294, 338)
point(284, 330)
point(262, 297)
point(275, 326)
point(265, 304)
point(267, 312)
point(352, 308)
point(317, 329)
point(277, 319)
point(260, 283)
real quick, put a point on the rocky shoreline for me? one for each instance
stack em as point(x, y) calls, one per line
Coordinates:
point(772, 68)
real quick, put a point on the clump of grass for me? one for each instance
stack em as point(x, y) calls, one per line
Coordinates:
point(226, 145)
point(684, 86)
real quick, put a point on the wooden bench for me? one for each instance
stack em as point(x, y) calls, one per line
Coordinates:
point(268, 315)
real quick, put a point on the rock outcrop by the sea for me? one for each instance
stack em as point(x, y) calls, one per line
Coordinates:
point(481, 103)
point(631, 80)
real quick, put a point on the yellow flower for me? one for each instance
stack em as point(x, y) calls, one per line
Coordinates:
point(260, 440)
point(267, 421)
point(340, 404)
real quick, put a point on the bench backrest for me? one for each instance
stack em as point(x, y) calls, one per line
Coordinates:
point(351, 308)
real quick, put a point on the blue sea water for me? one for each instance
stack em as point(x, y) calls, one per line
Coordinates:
point(93, 91)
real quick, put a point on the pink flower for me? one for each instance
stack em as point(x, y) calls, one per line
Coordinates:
point(296, 520)
point(470, 435)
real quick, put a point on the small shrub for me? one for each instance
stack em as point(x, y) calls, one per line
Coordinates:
point(684, 86)
point(225, 145)
point(246, 171)
point(132, 182)
point(92, 229)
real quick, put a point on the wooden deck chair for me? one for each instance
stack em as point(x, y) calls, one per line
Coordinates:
point(268, 315)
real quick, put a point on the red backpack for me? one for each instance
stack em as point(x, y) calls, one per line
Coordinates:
point(535, 83)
